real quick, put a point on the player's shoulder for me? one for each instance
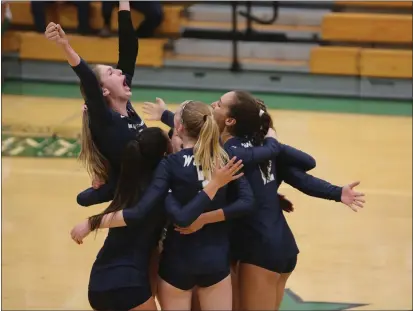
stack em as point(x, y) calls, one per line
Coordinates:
point(180, 156)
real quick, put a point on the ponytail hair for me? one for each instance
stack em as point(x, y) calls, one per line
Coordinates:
point(258, 137)
point(139, 160)
point(200, 124)
point(252, 121)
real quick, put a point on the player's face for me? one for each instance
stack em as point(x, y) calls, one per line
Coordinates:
point(221, 110)
point(113, 82)
point(176, 142)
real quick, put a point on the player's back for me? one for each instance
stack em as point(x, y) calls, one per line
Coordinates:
point(266, 226)
point(197, 250)
point(124, 257)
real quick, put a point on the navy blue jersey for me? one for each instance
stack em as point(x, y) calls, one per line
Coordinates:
point(110, 130)
point(267, 227)
point(207, 250)
point(123, 261)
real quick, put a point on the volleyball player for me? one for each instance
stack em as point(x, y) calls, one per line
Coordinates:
point(120, 278)
point(263, 243)
point(202, 259)
point(109, 122)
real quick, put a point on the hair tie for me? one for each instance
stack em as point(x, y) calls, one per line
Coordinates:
point(261, 112)
point(205, 117)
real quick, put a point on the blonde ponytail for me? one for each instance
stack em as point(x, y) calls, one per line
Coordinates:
point(199, 123)
point(208, 152)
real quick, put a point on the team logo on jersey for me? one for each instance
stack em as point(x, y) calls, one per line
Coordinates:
point(248, 144)
point(292, 301)
point(187, 160)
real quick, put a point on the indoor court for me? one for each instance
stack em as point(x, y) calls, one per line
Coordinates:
point(348, 260)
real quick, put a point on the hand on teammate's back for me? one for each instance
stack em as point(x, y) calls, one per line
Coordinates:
point(285, 204)
point(350, 197)
point(227, 173)
point(54, 32)
point(154, 111)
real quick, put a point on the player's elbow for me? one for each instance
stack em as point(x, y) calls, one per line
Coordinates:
point(182, 221)
point(82, 200)
point(311, 163)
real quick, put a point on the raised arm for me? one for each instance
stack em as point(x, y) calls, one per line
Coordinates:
point(128, 43)
point(167, 118)
point(95, 101)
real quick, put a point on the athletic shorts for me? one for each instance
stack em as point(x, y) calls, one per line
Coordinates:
point(186, 281)
point(120, 299)
point(286, 265)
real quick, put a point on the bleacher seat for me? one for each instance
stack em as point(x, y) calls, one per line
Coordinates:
point(356, 27)
point(34, 46)
point(335, 60)
point(386, 63)
point(10, 42)
point(354, 61)
point(242, 25)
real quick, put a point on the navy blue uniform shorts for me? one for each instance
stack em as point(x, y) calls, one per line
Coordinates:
point(261, 256)
point(120, 299)
point(185, 280)
point(278, 265)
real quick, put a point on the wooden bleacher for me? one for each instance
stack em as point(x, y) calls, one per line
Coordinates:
point(335, 60)
point(354, 61)
point(386, 63)
point(242, 25)
point(356, 30)
point(34, 46)
point(360, 27)
point(376, 4)
point(66, 15)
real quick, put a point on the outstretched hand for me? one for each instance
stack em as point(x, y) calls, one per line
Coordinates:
point(154, 111)
point(351, 198)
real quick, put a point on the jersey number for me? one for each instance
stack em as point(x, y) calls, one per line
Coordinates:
point(270, 177)
point(201, 177)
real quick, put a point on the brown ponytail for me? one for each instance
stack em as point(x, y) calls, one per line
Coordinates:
point(139, 160)
point(252, 121)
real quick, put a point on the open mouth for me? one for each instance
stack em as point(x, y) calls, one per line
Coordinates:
point(125, 85)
